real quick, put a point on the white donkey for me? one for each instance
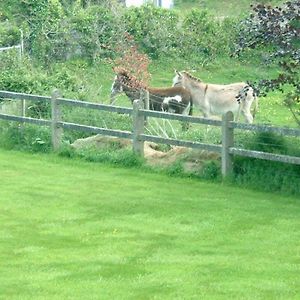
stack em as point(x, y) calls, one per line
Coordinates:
point(216, 99)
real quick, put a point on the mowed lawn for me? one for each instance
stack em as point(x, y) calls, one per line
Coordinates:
point(76, 230)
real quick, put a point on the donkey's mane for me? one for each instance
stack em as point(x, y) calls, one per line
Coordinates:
point(130, 80)
point(190, 76)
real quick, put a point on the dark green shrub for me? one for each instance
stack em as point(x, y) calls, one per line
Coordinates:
point(25, 137)
point(211, 170)
point(45, 27)
point(9, 34)
point(23, 77)
point(268, 142)
point(95, 31)
point(273, 143)
point(175, 169)
point(153, 28)
point(266, 175)
point(204, 36)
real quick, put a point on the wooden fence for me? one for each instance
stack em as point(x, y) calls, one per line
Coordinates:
point(137, 135)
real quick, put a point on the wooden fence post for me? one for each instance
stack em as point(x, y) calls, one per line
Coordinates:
point(227, 142)
point(144, 96)
point(23, 108)
point(56, 130)
point(138, 127)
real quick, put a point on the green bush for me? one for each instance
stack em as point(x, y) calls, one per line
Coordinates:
point(9, 34)
point(271, 142)
point(203, 36)
point(95, 31)
point(268, 175)
point(154, 29)
point(23, 77)
point(268, 142)
point(26, 137)
point(45, 26)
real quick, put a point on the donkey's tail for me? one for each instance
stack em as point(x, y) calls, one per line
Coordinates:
point(255, 109)
point(245, 92)
point(241, 98)
point(255, 93)
point(191, 108)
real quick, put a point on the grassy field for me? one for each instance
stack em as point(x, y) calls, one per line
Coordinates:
point(232, 8)
point(97, 82)
point(76, 230)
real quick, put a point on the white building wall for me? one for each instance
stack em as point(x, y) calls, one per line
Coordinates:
point(162, 3)
point(134, 2)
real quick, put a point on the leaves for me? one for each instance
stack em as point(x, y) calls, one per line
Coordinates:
point(278, 30)
point(133, 62)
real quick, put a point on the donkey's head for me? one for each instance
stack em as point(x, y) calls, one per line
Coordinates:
point(125, 82)
point(178, 79)
point(186, 80)
point(116, 89)
point(118, 84)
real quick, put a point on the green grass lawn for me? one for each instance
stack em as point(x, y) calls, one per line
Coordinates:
point(76, 230)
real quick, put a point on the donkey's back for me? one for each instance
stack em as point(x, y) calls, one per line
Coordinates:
point(236, 97)
point(175, 99)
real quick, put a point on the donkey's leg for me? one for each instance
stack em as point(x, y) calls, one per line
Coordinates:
point(248, 117)
point(187, 111)
point(237, 116)
point(246, 110)
point(206, 114)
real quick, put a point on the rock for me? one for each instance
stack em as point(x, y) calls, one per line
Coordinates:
point(100, 142)
point(193, 159)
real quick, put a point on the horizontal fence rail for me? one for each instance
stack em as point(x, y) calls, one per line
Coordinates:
point(98, 130)
point(20, 96)
point(181, 143)
point(265, 155)
point(10, 48)
point(104, 107)
point(266, 128)
point(25, 120)
point(137, 135)
point(190, 119)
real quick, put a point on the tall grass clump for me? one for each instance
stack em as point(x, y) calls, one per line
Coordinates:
point(112, 154)
point(269, 175)
point(25, 137)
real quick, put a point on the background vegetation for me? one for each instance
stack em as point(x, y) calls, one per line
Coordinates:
point(73, 45)
point(118, 229)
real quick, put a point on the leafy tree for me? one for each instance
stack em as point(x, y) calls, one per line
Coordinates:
point(133, 62)
point(277, 29)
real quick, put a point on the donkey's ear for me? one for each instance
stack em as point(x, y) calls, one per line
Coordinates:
point(177, 73)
